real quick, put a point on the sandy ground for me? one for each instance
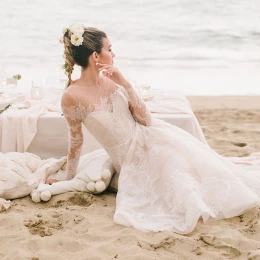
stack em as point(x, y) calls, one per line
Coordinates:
point(80, 226)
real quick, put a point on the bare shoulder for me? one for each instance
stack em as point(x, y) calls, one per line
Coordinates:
point(73, 88)
point(70, 94)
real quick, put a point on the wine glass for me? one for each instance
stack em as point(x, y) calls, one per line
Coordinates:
point(36, 90)
point(146, 92)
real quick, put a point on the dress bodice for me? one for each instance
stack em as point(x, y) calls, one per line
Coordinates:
point(112, 124)
point(109, 111)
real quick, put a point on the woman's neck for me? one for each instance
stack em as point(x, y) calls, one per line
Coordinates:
point(90, 76)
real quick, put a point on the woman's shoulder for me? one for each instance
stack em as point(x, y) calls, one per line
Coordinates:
point(69, 97)
point(72, 88)
point(71, 92)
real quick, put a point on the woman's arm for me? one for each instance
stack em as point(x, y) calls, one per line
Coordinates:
point(71, 111)
point(137, 107)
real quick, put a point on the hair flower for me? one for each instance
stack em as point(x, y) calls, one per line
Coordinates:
point(64, 30)
point(76, 39)
point(76, 29)
point(76, 34)
point(17, 77)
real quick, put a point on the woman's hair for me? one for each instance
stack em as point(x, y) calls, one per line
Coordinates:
point(92, 41)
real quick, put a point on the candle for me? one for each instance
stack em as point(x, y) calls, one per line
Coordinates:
point(36, 91)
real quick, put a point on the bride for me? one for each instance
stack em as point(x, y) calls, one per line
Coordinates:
point(168, 179)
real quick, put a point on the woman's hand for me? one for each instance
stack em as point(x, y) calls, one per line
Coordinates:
point(114, 74)
point(50, 181)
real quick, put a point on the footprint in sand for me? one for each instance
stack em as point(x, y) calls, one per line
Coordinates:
point(78, 219)
point(236, 131)
point(239, 144)
point(254, 255)
point(166, 243)
point(227, 249)
point(72, 199)
point(44, 226)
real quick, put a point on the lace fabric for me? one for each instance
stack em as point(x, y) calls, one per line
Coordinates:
point(71, 112)
point(139, 111)
point(168, 179)
point(78, 103)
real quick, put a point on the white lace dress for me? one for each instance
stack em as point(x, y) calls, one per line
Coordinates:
point(168, 179)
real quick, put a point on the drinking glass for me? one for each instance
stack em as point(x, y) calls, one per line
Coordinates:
point(36, 90)
point(63, 79)
point(146, 92)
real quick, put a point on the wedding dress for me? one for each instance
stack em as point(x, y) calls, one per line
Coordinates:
point(168, 179)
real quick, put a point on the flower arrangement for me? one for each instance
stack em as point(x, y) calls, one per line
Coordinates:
point(17, 77)
point(76, 37)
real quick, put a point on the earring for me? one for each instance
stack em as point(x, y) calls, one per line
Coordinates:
point(97, 63)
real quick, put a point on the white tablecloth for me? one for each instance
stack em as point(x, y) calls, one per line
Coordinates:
point(51, 139)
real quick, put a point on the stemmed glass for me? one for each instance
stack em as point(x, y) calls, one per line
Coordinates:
point(36, 90)
point(63, 79)
point(62, 82)
point(146, 92)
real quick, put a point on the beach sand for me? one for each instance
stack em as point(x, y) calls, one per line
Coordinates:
point(80, 226)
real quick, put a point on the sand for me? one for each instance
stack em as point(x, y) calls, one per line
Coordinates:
point(80, 226)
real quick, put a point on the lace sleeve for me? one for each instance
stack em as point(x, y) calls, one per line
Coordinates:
point(71, 112)
point(138, 108)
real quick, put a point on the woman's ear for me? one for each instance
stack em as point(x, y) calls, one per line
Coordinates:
point(95, 56)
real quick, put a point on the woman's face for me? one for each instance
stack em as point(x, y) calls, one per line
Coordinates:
point(106, 56)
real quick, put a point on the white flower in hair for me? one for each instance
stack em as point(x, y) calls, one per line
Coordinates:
point(76, 34)
point(77, 29)
point(64, 30)
point(76, 39)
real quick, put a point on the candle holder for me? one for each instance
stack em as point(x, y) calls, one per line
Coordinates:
point(36, 91)
point(146, 92)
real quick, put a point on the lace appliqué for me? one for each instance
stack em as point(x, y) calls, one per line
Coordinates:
point(186, 196)
point(71, 111)
point(138, 108)
point(142, 170)
point(104, 104)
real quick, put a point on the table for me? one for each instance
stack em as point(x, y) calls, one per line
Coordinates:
point(51, 139)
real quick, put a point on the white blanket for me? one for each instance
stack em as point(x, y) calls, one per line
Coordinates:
point(20, 173)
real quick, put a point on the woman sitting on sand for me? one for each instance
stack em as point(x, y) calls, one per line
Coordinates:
point(168, 178)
